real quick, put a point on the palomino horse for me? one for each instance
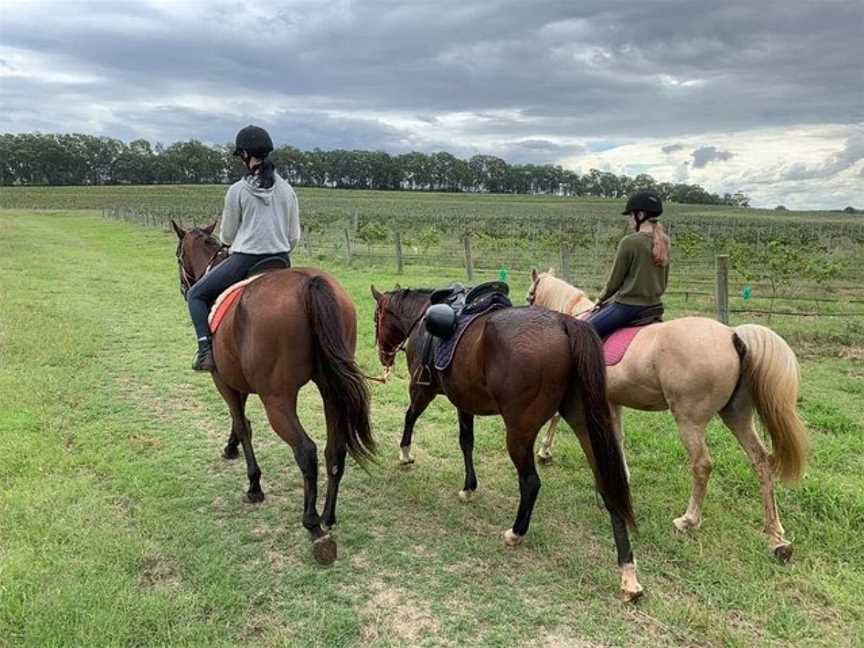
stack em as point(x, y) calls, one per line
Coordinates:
point(525, 364)
point(289, 327)
point(697, 367)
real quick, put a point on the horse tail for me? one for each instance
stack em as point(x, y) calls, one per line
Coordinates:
point(336, 373)
point(772, 371)
point(589, 378)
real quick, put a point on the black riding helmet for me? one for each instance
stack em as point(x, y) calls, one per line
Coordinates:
point(255, 140)
point(646, 200)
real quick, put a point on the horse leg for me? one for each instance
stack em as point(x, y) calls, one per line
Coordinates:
point(520, 445)
point(692, 432)
point(282, 414)
point(631, 589)
point(618, 429)
point(334, 456)
point(740, 421)
point(241, 433)
point(545, 451)
point(466, 442)
point(421, 396)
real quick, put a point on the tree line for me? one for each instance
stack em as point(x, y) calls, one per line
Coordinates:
point(78, 159)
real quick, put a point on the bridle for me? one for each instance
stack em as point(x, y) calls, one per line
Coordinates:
point(187, 278)
point(390, 356)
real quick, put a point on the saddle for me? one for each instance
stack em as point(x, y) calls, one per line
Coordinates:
point(615, 344)
point(232, 294)
point(451, 312)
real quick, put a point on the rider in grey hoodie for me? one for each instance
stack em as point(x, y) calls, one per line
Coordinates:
point(260, 219)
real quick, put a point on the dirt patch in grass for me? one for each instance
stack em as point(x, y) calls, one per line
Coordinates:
point(394, 615)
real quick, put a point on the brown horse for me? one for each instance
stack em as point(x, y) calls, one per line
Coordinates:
point(289, 327)
point(525, 364)
point(697, 367)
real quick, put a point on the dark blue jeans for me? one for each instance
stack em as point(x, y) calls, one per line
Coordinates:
point(205, 291)
point(613, 317)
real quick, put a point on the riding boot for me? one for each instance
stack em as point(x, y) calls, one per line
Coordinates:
point(204, 358)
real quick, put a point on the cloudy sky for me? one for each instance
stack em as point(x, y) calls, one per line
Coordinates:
point(765, 97)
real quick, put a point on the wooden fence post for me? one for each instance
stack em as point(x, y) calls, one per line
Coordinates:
point(566, 273)
point(469, 259)
point(722, 294)
point(348, 250)
point(398, 238)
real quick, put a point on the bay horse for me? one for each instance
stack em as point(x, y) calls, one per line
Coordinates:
point(697, 367)
point(524, 364)
point(289, 327)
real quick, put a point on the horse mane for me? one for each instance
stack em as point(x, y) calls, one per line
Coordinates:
point(555, 294)
point(406, 298)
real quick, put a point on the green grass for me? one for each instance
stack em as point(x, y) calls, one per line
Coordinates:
point(121, 525)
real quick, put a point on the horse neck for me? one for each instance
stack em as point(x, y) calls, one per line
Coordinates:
point(412, 305)
point(567, 299)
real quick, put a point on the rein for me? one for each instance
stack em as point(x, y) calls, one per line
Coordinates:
point(188, 279)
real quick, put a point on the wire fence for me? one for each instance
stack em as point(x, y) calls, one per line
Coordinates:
point(469, 246)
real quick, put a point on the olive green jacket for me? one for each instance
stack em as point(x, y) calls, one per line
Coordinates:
point(635, 278)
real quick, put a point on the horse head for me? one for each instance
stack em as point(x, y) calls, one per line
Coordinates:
point(197, 250)
point(396, 316)
point(536, 278)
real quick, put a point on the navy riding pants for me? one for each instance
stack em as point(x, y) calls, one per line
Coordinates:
point(614, 316)
point(205, 291)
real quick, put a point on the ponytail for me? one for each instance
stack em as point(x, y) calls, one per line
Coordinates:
point(263, 174)
point(659, 245)
point(265, 171)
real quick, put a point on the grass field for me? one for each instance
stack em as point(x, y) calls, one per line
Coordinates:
point(120, 524)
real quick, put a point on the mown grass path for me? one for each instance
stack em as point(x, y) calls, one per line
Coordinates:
point(121, 525)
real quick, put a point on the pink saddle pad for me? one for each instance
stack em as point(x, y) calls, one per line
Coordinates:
point(616, 345)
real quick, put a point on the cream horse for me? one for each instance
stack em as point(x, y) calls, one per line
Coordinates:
point(697, 367)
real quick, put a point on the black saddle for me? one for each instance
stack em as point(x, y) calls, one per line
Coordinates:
point(275, 262)
point(451, 312)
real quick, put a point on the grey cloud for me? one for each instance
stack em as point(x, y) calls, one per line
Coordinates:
point(519, 74)
point(705, 154)
point(853, 150)
point(472, 57)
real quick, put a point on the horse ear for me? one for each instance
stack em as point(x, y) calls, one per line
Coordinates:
point(178, 230)
point(398, 287)
point(209, 229)
point(551, 271)
point(534, 275)
point(377, 295)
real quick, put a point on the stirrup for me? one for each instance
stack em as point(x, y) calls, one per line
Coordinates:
point(423, 372)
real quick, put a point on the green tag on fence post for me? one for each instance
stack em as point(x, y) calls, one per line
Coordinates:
point(503, 275)
point(747, 293)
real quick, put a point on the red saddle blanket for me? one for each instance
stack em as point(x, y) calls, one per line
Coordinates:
point(225, 302)
point(616, 345)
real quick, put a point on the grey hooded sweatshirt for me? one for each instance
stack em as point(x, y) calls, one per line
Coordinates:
point(260, 221)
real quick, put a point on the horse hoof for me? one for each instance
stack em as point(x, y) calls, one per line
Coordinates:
point(324, 550)
point(255, 497)
point(466, 495)
point(631, 596)
point(513, 539)
point(631, 590)
point(230, 453)
point(684, 523)
point(405, 457)
point(545, 459)
point(783, 553)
